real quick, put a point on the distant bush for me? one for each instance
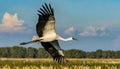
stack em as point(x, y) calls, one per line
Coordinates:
point(30, 52)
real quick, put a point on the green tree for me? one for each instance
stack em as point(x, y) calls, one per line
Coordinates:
point(31, 52)
point(91, 54)
point(5, 52)
point(18, 52)
point(42, 53)
point(74, 53)
point(99, 53)
point(117, 54)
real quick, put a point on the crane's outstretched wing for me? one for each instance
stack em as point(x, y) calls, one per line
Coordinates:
point(54, 50)
point(46, 21)
point(46, 25)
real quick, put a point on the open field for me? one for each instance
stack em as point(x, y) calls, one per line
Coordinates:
point(28, 63)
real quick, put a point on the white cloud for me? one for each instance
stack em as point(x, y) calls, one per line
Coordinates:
point(69, 31)
point(116, 42)
point(93, 31)
point(89, 31)
point(11, 24)
point(102, 31)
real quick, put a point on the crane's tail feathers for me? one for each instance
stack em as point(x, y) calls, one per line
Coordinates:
point(35, 38)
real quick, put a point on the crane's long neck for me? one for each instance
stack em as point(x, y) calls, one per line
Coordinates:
point(63, 39)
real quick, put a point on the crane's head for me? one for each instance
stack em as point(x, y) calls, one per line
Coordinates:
point(74, 38)
point(71, 38)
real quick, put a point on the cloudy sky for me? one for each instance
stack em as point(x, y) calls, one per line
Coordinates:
point(95, 23)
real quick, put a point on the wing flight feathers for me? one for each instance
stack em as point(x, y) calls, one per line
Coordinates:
point(52, 11)
point(45, 14)
point(55, 51)
point(46, 10)
point(47, 7)
point(46, 23)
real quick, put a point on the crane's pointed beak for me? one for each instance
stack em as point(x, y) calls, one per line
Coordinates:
point(74, 38)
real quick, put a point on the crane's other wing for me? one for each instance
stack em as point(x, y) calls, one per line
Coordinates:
point(54, 50)
point(46, 20)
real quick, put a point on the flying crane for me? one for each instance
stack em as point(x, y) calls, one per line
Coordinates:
point(47, 35)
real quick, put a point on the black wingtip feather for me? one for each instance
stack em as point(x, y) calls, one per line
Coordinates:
point(51, 9)
point(43, 11)
point(40, 12)
point(46, 10)
point(60, 59)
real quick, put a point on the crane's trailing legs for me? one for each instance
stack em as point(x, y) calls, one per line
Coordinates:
point(34, 39)
point(24, 43)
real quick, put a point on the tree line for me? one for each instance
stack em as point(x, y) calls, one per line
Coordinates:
point(30, 52)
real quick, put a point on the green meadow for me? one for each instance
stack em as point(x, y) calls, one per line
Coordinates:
point(29, 63)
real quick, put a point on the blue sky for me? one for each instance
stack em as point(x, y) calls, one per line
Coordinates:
point(95, 23)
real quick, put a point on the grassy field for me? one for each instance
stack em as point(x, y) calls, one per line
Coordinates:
point(13, 63)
